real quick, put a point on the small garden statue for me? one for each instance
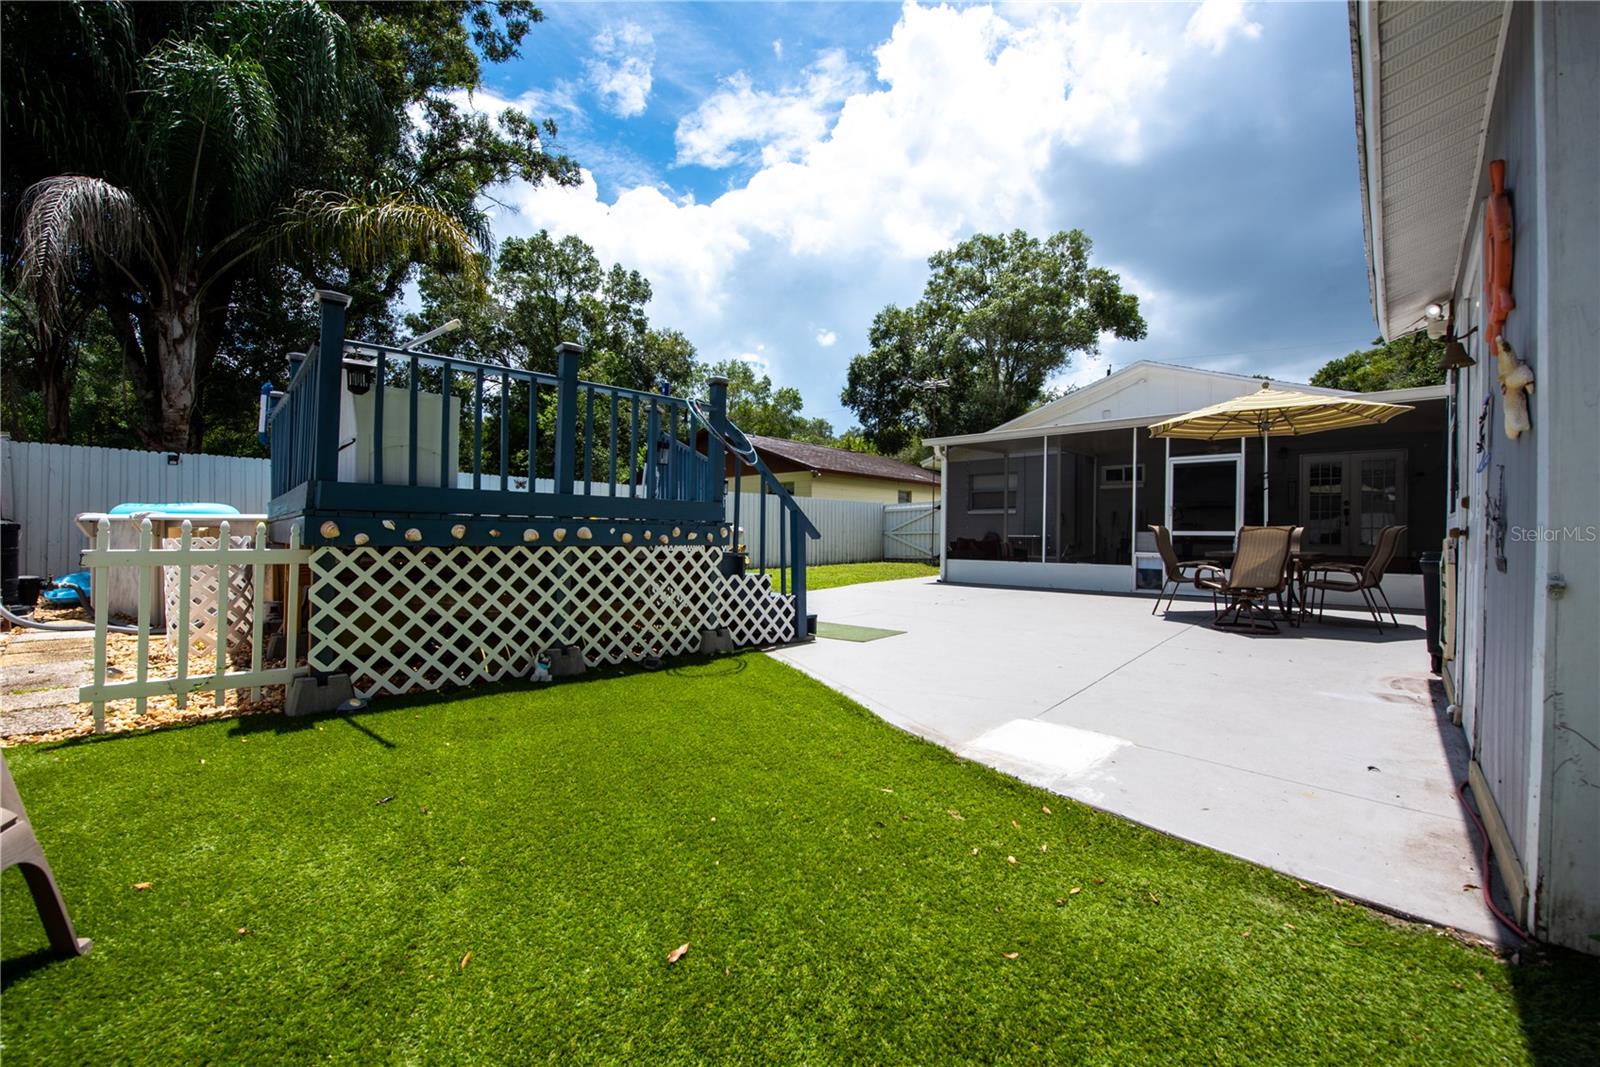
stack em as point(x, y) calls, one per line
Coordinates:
point(541, 667)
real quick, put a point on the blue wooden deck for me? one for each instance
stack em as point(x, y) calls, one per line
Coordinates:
point(383, 446)
point(518, 450)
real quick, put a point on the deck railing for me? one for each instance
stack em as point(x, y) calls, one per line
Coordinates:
point(417, 433)
point(795, 528)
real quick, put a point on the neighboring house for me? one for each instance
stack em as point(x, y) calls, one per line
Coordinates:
point(839, 474)
point(1064, 496)
point(1445, 90)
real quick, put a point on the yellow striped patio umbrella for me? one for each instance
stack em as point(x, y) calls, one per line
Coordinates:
point(1273, 412)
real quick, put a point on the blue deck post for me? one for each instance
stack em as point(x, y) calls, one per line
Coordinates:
point(568, 354)
point(326, 388)
point(718, 387)
point(652, 469)
point(797, 556)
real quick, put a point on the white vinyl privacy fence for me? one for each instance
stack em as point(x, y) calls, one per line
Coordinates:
point(45, 487)
point(911, 531)
point(852, 531)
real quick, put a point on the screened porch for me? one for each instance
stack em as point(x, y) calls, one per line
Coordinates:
point(1072, 509)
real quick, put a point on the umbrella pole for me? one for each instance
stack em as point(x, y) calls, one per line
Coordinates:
point(1265, 518)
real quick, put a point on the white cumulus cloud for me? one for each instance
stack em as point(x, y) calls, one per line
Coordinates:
point(971, 120)
point(739, 121)
point(620, 69)
point(1214, 23)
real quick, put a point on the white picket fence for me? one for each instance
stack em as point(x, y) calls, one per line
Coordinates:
point(45, 487)
point(205, 576)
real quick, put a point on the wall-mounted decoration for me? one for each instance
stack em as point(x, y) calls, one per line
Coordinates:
point(1516, 385)
point(1497, 236)
point(1497, 519)
point(1483, 448)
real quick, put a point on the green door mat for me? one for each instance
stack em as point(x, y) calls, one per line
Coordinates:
point(839, 631)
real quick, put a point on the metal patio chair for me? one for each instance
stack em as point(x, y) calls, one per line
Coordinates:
point(1362, 578)
point(1259, 572)
point(1175, 573)
point(20, 848)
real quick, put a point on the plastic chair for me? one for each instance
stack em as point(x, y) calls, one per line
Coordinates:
point(20, 848)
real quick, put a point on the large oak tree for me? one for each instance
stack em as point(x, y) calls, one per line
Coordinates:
point(1000, 315)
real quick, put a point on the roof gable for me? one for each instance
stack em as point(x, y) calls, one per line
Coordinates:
point(1145, 389)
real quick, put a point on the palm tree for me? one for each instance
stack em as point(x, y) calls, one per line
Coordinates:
point(195, 171)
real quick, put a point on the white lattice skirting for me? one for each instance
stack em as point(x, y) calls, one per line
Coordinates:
point(204, 601)
point(404, 619)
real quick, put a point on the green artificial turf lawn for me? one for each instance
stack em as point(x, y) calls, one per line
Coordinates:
point(832, 575)
point(847, 893)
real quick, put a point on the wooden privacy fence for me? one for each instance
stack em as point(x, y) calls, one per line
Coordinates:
point(45, 487)
point(203, 578)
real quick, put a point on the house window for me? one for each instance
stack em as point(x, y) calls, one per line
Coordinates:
point(1118, 475)
point(787, 487)
point(991, 493)
point(904, 496)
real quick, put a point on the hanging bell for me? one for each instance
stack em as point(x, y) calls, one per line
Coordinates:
point(1455, 355)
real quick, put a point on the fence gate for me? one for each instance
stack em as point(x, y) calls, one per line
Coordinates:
point(910, 531)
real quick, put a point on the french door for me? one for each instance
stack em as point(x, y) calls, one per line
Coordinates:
point(1346, 498)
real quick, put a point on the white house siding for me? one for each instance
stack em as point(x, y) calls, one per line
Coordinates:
point(835, 486)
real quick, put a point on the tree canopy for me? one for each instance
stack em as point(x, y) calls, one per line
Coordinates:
point(165, 165)
point(756, 406)
point(541, 291)
point(1403, 363)
point(999, 316)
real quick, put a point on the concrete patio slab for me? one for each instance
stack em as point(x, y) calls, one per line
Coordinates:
point(1321, 751)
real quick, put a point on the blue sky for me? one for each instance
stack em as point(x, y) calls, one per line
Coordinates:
point(782, 171)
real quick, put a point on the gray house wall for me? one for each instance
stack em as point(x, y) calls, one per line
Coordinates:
point(1567, 675)
point(1508, 480)
point(1535, 724)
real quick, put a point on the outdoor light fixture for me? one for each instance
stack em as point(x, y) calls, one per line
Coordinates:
point(663, 449)
point(358, 377)
point(1437, 314)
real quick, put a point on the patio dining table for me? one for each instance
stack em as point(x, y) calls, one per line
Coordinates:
point(1301, 564)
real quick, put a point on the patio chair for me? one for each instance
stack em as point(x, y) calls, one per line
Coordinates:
point(1364, 579)
point(21, 848)
point(1260, 571)
point(1175, 573)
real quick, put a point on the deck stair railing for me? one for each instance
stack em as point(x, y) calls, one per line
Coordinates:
point(795, 528)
